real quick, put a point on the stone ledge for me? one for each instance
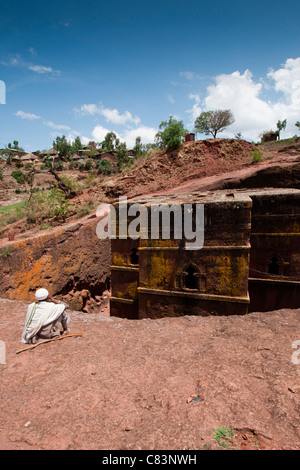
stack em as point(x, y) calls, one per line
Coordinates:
point(219, 298)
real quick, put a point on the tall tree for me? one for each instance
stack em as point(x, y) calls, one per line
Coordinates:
point(212, 122)
point(15, 145)
point(281, 125)
point(77, 145)
point(122, 154)
point(110, 140)
point(63, 147)
point(138, 146)
point(171, 133)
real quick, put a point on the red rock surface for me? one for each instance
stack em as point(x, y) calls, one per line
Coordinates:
point(132, 384)
point(61, 259)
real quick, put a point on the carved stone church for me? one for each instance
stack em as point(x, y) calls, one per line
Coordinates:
point(249, 259)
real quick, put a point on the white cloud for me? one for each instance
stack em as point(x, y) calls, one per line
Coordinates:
point(56, 126)
point(188, 75)
point(18, 61)
point(87, 109)
point(111, 115)
point(171, 99)
point(286, 77)
point(71, 137)
point(29, 116)
point(195, 111)
point(253, 115)
point(146, 133)
point(71, 134)
point(42, 69)
point(99, 132)
point(114, 116)
point(32, 51)
point(14, 61)
point(84, 140)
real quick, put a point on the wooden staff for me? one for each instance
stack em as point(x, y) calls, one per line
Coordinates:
point(46, 341)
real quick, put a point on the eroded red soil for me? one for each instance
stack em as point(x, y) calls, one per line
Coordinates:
point(132, 384)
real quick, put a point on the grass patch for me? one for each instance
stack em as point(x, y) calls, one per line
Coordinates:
point(44, 226)
point(5, 252)
point(224, 436)
point(18, 206)
point(12, 213)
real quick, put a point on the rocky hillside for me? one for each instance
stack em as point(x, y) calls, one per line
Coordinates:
point(207, 164)
point(166, 169)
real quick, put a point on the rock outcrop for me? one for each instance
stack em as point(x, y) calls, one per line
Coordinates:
point(66, 259)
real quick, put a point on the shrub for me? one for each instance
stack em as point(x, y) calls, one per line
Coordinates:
point(5, 252)
point(88, 165)
point(47, 161)
point(256, 156)
point(71, 182)
point(58, 165)
point(104, 167)
point(18, 175)
point(44, 205)
point(83, 210)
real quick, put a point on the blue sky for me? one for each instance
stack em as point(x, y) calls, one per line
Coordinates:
point(86, 68)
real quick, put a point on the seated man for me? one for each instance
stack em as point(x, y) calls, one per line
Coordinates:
point(44, 318)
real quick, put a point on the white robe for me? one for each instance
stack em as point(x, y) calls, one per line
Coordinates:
point(40, 314)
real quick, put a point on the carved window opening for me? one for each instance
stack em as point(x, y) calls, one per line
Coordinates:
point(274, 266)
point(189, 278)
point(134, 256)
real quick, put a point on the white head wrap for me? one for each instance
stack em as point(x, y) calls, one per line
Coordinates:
point(41, 294)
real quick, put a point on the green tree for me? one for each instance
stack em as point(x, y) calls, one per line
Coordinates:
point(15, 146)
point(138, 147)
point(212, 122)
point(110, 141)
point(122, 154)
point(76, 145)
point(281, 125)
point(63, 147)
point(298, 125)
point(171, 134)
